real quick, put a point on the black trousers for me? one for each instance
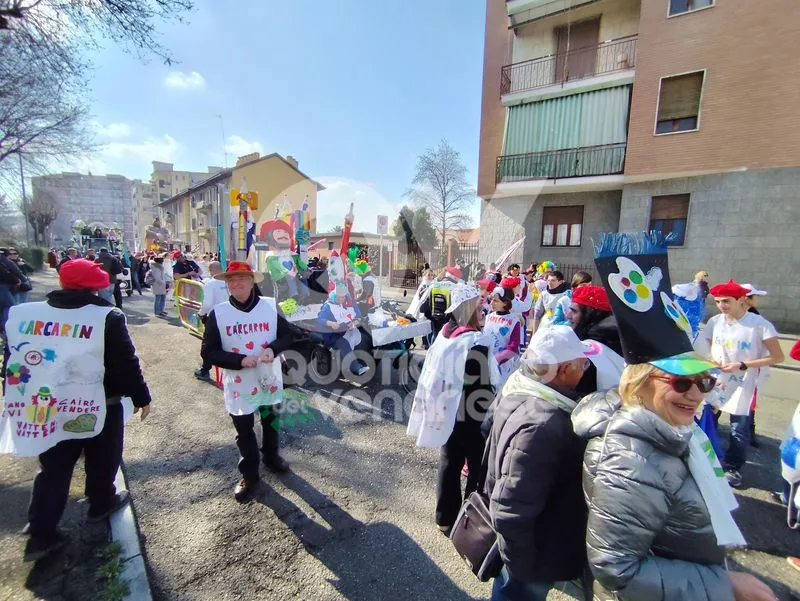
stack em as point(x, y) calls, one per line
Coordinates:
point(465, 443)
point(102, 456)
point(246, 440)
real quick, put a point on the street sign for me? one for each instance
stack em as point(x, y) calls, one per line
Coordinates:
point(383, 225)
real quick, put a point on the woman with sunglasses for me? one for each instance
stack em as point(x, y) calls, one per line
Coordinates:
point(650, 533)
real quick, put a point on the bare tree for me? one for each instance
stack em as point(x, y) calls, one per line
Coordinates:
point(40, 212)
point(44, 46)
point(440, 185)
point(38, 116)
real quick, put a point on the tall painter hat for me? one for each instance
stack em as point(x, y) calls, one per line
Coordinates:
point(652, 326)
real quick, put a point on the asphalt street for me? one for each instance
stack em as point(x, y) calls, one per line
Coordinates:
point(354, 519)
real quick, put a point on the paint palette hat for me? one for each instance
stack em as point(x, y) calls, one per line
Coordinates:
point(239, 268)
point(653, 328)
point(83, 274)
point(461, 293)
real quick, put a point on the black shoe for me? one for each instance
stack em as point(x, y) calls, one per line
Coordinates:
point(754, 442)
point(120, 500)
point(244, 489)
point(203, 375)
point(275, 463)
point(39, 547)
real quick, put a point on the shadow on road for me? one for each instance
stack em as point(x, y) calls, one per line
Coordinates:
point(371, 562)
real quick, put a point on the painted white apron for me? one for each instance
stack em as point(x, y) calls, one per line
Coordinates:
point(54, 377)
point(499, 329)
point(247, 389)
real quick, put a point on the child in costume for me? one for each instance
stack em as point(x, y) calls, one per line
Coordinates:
point(504, 329)
point(338, 322)
point(455, 388)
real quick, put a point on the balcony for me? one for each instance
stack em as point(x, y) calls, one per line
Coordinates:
point(582, 63)
point(522, 12)
point(608, 159)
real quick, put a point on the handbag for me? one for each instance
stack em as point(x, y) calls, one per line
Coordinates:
point(474, 538)
point(473, 534)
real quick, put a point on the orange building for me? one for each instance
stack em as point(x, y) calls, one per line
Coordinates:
point(629, 115)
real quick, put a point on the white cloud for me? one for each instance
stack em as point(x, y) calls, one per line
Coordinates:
point(150, 149)
point(184, 81)
point(334, 202)
point(237, 146)
point(112, 131)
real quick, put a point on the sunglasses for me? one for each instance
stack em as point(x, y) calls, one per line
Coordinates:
point(682, 384)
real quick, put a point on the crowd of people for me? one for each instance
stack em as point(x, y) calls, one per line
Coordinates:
point(588, 454)
point(573, 408)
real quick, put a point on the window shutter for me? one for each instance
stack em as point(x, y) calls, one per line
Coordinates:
point(675, 206)
point(562, 215)
point(680, 97)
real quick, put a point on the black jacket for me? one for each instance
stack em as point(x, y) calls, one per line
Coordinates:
point(211, 350)
point(123, 375)
point(534, 486)
point(111, 265)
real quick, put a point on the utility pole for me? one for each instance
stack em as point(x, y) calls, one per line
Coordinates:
point(222, 127)
point(24, 200)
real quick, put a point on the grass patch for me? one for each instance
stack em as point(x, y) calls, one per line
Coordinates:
point(113, 588)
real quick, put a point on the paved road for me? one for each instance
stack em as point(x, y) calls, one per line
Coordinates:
point(354, 519)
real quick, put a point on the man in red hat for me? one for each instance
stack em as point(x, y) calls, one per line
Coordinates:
point(69, 362)
point(741, 344)
point(244, 337)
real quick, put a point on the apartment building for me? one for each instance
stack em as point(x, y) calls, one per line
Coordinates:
point(192, 215)
point(103, 199)
point(626, 115)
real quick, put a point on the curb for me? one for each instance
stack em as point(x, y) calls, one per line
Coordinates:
point(124, 531)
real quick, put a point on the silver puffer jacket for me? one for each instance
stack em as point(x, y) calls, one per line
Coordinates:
point(649, 536)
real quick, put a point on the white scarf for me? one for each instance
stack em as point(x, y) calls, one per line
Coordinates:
point(710, 478)
point(519, 383)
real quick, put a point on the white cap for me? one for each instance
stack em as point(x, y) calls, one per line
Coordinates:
point(556, 344)
point(461, 293)
point(754, 291)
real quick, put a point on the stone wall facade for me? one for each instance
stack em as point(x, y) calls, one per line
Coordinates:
point(743, 225)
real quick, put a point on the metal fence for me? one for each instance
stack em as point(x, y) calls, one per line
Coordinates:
point(580, 63)
point(607, 159)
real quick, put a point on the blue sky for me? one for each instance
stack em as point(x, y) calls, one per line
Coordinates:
point(354, 89)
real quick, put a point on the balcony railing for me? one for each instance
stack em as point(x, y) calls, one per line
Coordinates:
point(608, 159)
point(581, 63)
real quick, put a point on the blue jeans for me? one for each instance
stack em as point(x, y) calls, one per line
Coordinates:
point(739, 443)
point(507, 588)
point(158, 304)
point(20, 297)
point(135, 281)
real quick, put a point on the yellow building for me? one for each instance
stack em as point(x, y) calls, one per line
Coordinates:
point(276, 178)
point(191, 215)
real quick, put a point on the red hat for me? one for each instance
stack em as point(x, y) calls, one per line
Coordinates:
point(239, 268)
point(509, 282)
point(595, 297)
point(455, 272)
point(795, 352)
point(82, 274)
point(487, 283)
point(731, 289)
point(274, 224)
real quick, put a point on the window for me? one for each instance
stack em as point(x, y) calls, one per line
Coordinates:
point(562, 226)
point(330, 245)
point(678, 7)
point(194, 224)
point(679, 103)
point(668, 214)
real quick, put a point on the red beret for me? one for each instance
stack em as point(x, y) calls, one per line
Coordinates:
point(509, 282)
point(731, 289)
point(455, 272)
point(487, 283)
point(82, 274)
point(595, 297)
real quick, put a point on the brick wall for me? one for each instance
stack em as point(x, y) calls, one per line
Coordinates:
point(748, 114)
point(742, 225)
